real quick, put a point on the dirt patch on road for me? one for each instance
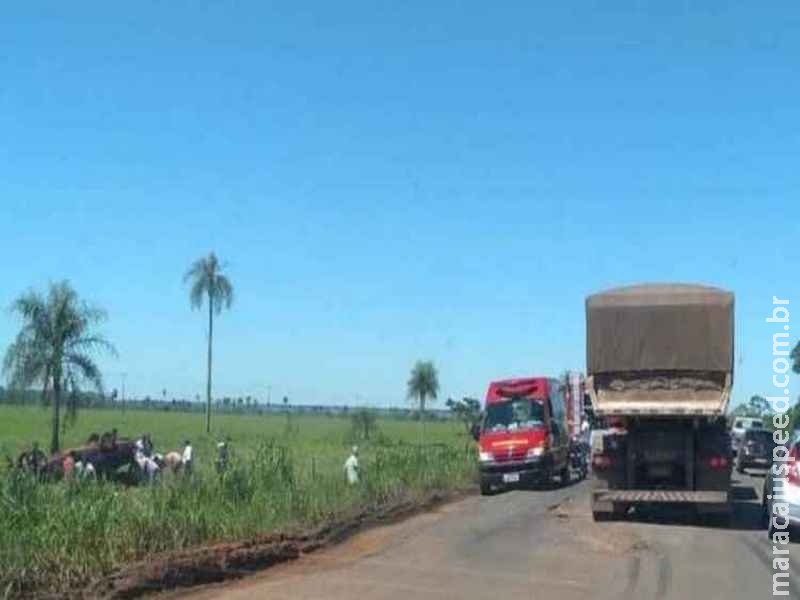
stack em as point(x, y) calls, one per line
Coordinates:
point(617, 539)
point(220, 562)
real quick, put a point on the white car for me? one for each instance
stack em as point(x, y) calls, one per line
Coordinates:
point(740, 426)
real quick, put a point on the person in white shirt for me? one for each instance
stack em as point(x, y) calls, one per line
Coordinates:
point(222, 456)
point(351, 467)
point(187, 457)
point(139, 457)
point(151, 468)
point(85, 470)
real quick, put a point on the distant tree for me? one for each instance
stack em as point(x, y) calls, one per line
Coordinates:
point(794, 417)
point(55, 348)
point(423, 384)
point(758, 406)
point(466, 410)
point(795, 356)
point(207, 282)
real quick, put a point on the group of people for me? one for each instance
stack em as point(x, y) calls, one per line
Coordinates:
point(150, 463)
point(84, 463)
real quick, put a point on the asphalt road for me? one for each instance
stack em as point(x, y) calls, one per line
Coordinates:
point(535, 545)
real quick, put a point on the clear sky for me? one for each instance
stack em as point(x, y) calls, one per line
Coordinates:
point(390, 181)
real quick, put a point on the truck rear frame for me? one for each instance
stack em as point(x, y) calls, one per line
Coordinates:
point(660, 364)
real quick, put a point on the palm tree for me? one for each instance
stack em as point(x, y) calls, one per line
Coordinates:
point(207, 281)
point(55, 348)
point(423, 384)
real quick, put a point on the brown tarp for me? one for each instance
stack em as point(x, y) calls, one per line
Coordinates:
point(659, 328)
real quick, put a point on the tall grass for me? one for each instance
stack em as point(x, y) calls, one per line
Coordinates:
point(55, 536)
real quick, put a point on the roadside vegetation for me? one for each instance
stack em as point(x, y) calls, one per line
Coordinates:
point(284, 472)
point(63, 535)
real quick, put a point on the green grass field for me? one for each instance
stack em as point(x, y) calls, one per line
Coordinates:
point(320, 435)
point(284, 474)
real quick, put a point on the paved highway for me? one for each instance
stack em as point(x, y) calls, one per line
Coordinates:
point(534, 545)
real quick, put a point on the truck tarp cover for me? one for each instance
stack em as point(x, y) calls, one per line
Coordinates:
point(660, 327)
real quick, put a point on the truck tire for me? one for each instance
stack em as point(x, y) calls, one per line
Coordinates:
point(486, 488)
point(715, 518)
point(721, 520)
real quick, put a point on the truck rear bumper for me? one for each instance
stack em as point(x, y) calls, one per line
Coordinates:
point(661, 496)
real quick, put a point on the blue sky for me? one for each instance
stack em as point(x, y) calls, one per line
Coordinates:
point(394, 181)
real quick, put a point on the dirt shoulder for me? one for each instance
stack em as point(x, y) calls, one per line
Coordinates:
point(227, 561)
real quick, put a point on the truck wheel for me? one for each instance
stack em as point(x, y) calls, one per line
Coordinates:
point(486, 488)
point(719, 519)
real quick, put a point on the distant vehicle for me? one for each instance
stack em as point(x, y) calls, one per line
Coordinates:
point(788, 478)
point(660, 363)
point(755, 450)
point(524, 438)
point(740, 426)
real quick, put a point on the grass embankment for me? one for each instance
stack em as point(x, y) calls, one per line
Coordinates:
point(59, 536)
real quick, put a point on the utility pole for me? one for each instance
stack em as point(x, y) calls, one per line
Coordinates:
point(123, 376)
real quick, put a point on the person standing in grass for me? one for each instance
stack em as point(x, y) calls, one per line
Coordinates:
point(351, 467)
point(36, 460)
point(186, 461)
point(222, 456)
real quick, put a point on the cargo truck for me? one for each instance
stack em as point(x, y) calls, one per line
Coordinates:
point(659, 373)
